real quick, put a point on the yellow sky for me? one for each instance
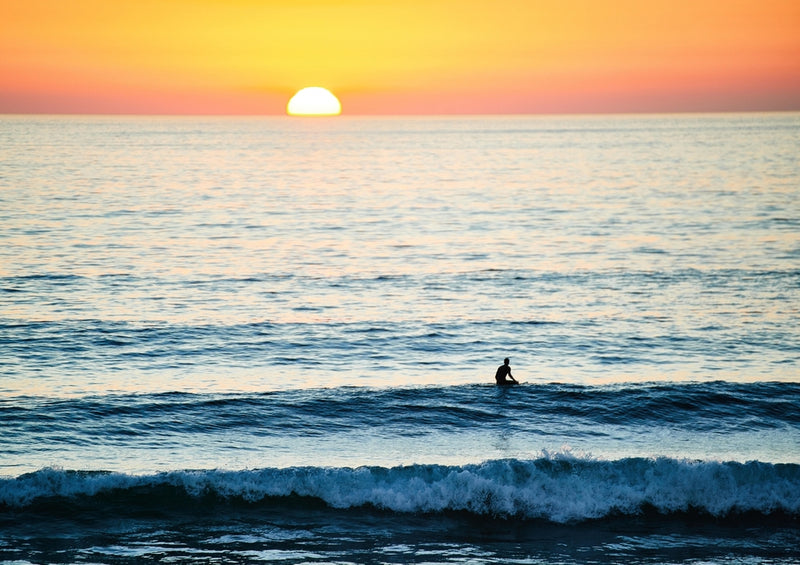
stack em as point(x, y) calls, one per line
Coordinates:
point(414, 56)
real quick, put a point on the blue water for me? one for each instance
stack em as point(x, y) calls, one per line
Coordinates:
point(274, 340)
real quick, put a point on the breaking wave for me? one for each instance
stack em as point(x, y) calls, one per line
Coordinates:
point(558, 488)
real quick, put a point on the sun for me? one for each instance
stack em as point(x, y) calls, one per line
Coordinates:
point(314, 101)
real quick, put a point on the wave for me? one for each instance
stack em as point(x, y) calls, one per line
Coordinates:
point(720, 407)
point(558, 488)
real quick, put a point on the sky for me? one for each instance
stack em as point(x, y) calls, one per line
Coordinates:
point(399, 57)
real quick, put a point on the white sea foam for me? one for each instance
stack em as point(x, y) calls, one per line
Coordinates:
point(556, 488)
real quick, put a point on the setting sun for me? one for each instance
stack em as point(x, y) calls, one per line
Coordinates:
point(314, 101)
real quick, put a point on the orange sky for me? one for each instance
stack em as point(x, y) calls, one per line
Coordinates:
point(399, 57)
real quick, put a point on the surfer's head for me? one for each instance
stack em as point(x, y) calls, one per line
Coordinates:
point(506, 361)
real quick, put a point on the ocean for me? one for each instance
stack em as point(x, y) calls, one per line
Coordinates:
point(274, 340)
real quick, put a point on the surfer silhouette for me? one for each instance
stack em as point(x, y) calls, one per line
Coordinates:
point(503, 371)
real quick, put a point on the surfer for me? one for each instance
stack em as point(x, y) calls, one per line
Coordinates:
point(503, 371)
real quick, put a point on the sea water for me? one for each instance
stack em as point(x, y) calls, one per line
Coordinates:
point(274, 340)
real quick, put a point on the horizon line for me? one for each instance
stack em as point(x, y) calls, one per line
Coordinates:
point(397, 115)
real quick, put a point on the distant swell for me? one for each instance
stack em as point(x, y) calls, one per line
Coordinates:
point(557, 488)
point(718, 406)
